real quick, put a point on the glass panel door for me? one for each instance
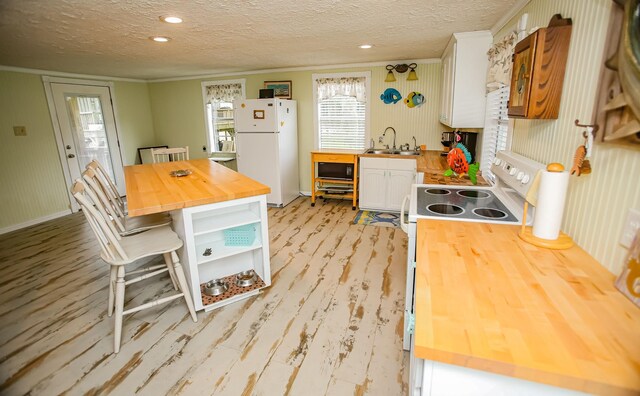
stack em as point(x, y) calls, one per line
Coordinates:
point(88, 130)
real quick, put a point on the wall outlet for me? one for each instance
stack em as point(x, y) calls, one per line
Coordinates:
point(631, 226)
point(20, 131)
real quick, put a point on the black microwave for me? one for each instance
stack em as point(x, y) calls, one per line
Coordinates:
point(335, 170)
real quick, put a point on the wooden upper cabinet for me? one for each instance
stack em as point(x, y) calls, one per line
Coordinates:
point(539, 63)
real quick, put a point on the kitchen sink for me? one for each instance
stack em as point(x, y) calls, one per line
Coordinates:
point(392, 152)
point(380, 151)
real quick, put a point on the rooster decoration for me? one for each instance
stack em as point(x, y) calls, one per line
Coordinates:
point(459, 160)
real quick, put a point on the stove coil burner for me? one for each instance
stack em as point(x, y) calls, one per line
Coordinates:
point(437, 191)
point(474, 194)
point(490, 213)
point(445, 209)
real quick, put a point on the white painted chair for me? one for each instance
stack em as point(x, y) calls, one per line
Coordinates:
point(108, 207)
point(108, 186)
point(170, 154)
point(120, 251)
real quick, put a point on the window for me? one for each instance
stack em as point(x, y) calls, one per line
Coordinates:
point(496, 128)
point(341, 110)
point(218, 100)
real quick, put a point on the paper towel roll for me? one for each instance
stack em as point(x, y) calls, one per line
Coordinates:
point(550, 205)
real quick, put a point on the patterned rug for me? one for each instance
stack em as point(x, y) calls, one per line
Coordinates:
point(367, 217)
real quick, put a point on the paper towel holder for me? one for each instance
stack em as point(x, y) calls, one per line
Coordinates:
point(563, 241)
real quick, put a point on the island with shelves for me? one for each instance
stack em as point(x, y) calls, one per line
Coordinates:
point(209, 207)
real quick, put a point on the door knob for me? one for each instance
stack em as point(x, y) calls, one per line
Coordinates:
point(71, 156)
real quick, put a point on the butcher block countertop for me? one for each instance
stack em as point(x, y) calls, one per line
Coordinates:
point(489, 301)
point(150, 188)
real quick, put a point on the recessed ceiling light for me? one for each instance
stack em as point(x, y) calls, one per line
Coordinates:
point(160, 39)
point(366, 46)
point(171, 19)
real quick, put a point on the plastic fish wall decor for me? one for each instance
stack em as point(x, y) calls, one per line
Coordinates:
point(414, 99)
point(390, 96)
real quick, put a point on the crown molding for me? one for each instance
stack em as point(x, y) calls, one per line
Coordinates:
point(515, 9)
point(222, 74)
point(54, 73)
point(295, 69)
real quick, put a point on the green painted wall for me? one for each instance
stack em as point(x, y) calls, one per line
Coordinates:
point(135, 123)
point(31, 176)
point(30, 172)
point(178, 109)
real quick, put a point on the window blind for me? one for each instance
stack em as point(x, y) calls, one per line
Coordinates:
point(496, 128)
point(341, 123)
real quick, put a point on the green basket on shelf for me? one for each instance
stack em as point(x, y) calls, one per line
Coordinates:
point(240, 236)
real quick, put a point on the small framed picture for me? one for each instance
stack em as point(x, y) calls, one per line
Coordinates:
point(258, 114)
point(281, 89)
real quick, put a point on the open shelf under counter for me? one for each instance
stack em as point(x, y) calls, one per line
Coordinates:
point(234, 293)
point(203, 226)
point(222, 222)
point(220, 251)
point(228, 217)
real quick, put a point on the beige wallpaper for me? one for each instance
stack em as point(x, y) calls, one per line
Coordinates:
point(30, 172)
point(597, 204)
point(33, 184)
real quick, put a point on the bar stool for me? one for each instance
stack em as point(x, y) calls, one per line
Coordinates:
point(109, 209)
point(119, 252)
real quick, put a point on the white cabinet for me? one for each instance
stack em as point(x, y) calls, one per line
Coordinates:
point(372, 188)
point(464, 77)
point(399, 186)
point(384, 182)
point(210, 254)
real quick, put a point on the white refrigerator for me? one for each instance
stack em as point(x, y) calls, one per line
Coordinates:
point(267, 145)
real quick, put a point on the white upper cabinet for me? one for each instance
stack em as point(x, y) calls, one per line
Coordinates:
point(464, 77)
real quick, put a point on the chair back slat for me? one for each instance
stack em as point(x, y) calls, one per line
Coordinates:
point(108, 239)
point(107, 185)
point(170, 154)
point(105, 206)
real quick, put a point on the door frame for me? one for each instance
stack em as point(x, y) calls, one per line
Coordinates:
point(47, 81)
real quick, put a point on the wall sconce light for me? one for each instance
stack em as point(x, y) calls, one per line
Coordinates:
point(401, 68)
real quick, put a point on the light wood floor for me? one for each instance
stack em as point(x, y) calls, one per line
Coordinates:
point(330, 324)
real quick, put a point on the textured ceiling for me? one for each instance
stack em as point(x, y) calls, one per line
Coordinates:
point(110, 37)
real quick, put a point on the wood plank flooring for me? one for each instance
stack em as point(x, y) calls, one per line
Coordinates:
point(330, 324)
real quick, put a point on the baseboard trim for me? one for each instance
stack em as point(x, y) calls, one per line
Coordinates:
point(38, 220)
point(305, 193)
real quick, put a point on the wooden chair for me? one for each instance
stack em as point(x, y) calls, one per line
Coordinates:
point(109, 208)
point(170, 154)
point(108, 186)
point(120, 251)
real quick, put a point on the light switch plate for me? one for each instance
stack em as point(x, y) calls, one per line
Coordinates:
point(631, 226)
point(20, 131)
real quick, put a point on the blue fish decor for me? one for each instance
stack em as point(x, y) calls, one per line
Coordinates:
point(414, 99)
point(390, 96)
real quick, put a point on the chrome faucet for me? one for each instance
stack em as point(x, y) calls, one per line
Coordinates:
point(394, 136)
point(415, 144)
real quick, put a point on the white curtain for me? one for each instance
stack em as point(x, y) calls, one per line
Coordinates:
point(499, 74)
point(223, 92)
point(346, 86)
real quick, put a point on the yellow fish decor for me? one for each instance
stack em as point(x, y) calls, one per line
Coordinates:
point(414, 99)
point(390, 96)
